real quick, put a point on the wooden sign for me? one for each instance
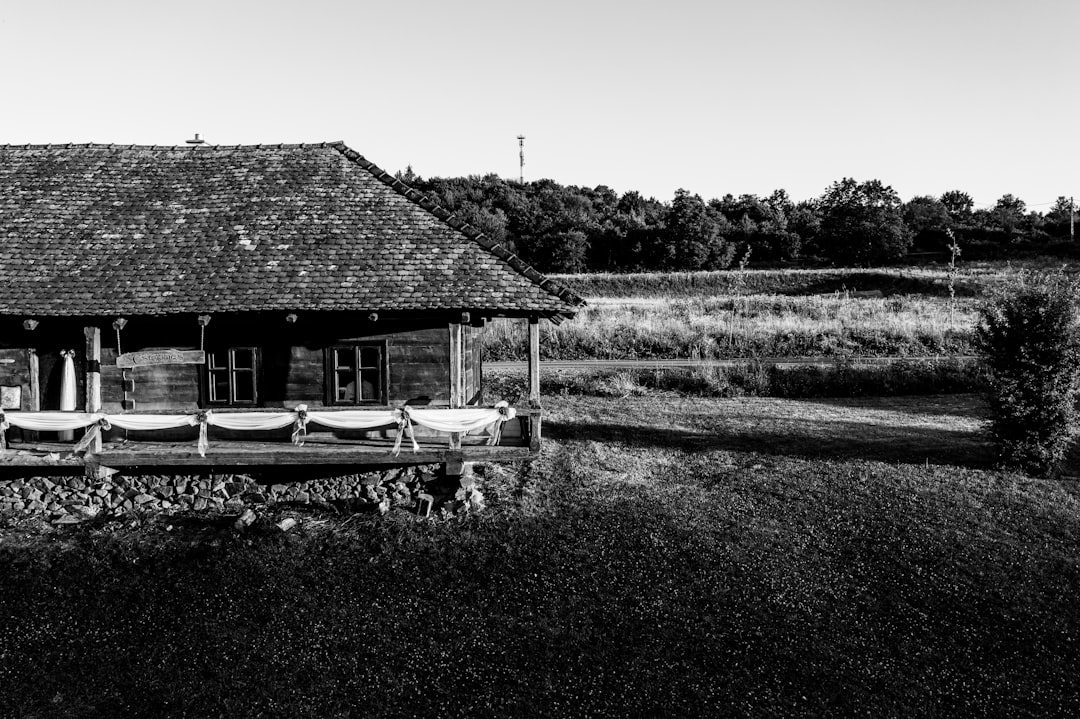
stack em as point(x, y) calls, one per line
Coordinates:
point(148, 358)
point(10, 397)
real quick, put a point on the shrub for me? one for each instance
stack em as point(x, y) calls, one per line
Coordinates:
point(1029, 337)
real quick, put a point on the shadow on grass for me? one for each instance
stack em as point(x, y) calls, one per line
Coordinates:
point(969, 406)
point(888, 283)
point(817, 439)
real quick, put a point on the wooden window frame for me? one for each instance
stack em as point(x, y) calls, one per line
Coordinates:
point(332, 373)
point(231, 371)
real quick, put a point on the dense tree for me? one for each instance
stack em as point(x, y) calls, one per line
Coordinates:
point(561, 252)
point(1060, 218)
point(760, 224)
point(692, 236)
point(1009, 214)
point(595, 229)
point(929, 221)
point(862, 223)
point(805, 223)
point(958, 204)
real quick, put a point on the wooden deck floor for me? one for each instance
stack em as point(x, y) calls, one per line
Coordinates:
point(247, 453)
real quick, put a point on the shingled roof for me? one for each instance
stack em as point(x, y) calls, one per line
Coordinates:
point(138, 230)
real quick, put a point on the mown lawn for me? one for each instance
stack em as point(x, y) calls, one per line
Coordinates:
point(665, 557)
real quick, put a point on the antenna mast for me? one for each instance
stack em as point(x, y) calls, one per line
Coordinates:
point(521, 156)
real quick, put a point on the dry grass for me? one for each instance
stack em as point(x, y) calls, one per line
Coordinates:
point(748, 326)
point(767, 313)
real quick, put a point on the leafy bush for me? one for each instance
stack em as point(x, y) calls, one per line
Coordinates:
point(1030, 339)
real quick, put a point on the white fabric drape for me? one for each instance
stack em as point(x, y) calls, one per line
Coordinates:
point(67, 389)
point(140, 422)
point(251, 421)
point(461, 420)
point(354, 419)
point(51, 421)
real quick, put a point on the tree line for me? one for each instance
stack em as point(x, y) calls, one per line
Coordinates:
point(559, 228)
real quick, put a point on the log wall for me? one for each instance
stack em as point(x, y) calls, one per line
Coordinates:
point(292, 360)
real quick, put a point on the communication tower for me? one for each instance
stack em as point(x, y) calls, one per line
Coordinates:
point(521, 158)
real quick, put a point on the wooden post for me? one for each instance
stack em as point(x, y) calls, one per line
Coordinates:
point(534, 383)
point(457, 376)
point(93, 377)
point(457, 366)
point(35, 387)
point(35, 380)
point(534, 361)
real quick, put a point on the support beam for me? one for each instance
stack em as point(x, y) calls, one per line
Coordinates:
point(35, 380)
point(93, 376)
point(457, 375)
point(457, 366)
point(534, 361)
point(35, 387)
point(534, 383)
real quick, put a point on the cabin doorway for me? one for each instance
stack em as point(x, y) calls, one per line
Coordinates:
point(51, 379)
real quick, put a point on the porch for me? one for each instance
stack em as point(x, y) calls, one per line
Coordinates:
point(230, 439)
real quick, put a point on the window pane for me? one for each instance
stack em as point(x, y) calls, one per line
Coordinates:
point(244, 386)
point(369, 384)
point(217, 360)
point(344, 357)
point(219, 386)
point(243, 359)
point(345, 388)
point(369, 357)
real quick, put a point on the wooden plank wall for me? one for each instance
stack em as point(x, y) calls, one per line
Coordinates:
point(419, 365)
point(15, 372)
point(291, 373)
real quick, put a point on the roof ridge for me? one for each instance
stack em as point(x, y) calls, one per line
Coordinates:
point(472, 233)
point(128, 146)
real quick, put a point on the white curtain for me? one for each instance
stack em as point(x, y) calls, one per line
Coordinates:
point(67, 390)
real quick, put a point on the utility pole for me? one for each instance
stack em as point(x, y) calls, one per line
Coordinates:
point(521, 157)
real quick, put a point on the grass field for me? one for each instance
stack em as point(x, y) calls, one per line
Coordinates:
point(748, 326)
point(665, 556)
point(762, 313)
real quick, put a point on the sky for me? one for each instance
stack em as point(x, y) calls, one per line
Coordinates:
point(714, 97)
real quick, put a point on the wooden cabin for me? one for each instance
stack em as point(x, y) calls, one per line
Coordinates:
point(250, 305)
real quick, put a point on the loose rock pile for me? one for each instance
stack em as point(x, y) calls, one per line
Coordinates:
point(68, 500)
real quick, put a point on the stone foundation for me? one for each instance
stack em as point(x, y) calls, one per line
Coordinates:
point(68, 500)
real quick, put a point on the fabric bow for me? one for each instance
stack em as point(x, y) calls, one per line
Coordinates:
point(93, 432)
point(300, 426)
point(404, 426)
point(203, 418)
point(505, 413)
